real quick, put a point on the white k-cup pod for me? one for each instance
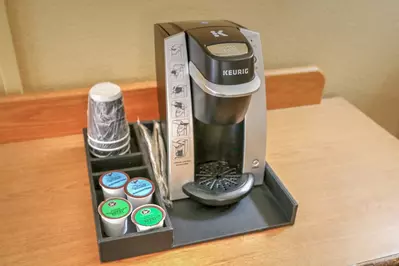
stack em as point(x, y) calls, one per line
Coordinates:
point(114, 213)
point(112, 184)
point(139, 191)
point(147, 217)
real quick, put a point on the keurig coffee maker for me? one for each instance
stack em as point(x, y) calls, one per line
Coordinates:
point(212, 104)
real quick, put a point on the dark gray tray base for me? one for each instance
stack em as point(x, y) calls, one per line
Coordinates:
point(194, 223)
point(267, 206)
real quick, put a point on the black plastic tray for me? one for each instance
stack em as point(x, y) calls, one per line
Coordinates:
point(267, 206)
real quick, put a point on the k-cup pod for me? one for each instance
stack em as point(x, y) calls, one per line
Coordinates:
point(112, 184)
point(148, 217)
point(139, 191)
point(106, 114)
point(111, 145)
point(114, 213)
point(104, 154)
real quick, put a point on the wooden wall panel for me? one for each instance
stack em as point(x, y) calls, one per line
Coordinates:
point(293, 87)
point(60, 113)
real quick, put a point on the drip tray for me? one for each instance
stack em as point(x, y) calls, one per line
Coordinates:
point(194, 223)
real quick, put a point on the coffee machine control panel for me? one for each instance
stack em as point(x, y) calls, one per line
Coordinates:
point(222, 55)
point(228, 49)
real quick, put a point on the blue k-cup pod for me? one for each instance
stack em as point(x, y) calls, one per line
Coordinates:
point(139, 191)
point(112, 184)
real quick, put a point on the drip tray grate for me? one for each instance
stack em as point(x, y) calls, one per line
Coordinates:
point(218, 176)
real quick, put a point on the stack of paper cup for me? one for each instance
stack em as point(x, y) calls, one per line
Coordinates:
point(107, 128)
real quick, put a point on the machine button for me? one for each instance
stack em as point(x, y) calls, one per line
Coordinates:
point(228, 49)
point(255, 163)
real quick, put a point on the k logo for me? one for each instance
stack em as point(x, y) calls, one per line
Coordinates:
point(218, 33)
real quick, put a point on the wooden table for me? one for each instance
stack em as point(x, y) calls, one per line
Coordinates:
point(341, 167)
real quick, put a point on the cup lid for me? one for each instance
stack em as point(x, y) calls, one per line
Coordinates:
point(105, 92)
point(139, 187)
point(113, 179)
point(115, 208)
point(148, 215)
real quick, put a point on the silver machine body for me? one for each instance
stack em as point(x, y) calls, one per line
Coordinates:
point(207, 111)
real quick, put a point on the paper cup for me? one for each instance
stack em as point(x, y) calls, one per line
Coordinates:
point(109, 147)
point(106, 119)
point(104, 154)
point(112, 184)
point(147, 217)
point(139, 191)
point(114, 213)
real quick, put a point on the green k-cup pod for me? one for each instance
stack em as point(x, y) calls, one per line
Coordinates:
point(148, 216)
point(115, 208)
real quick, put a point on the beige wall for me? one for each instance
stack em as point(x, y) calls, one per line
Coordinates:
point(74, 43)
point(9, 71)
